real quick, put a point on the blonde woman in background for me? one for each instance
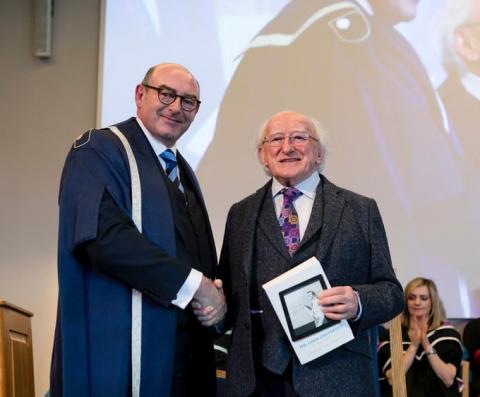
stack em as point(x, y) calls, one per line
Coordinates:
point(432, 349)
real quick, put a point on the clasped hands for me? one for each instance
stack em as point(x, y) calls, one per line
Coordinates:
point(208, 303)
point(417, 332)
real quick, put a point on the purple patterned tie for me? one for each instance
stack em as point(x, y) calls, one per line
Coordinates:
point(288, 219)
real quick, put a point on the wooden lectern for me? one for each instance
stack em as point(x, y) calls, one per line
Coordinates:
point(16, 356)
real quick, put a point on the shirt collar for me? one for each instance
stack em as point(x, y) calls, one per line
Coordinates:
point(156, 145)
point(308, 186)
point(471, 83)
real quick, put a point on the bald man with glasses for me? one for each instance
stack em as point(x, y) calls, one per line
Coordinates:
point(135, 250)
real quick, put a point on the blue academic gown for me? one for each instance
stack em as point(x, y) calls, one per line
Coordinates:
point(92, 350)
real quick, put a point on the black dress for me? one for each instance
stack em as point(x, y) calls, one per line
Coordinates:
point(420, 378)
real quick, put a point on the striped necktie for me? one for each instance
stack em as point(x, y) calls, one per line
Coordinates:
point(288, 219)
point(171, 168)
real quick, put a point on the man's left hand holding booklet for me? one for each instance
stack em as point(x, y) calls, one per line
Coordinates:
point(293, 295)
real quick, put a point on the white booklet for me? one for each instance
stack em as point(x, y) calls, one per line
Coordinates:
point(293, 296)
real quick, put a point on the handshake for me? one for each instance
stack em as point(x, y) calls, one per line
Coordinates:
point(208, 303)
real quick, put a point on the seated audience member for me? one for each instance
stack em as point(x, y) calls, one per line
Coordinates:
point(432, 350)
point(471, 340)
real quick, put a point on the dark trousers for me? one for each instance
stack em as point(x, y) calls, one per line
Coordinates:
point(194, 365)
point(273, 385)
point(268, 384)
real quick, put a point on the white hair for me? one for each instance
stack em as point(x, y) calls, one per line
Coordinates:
point(456, 13)
point(318, 132)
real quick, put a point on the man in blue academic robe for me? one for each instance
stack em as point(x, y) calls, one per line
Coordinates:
point(135, 248)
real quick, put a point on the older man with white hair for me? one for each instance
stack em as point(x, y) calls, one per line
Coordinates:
point(298, 214)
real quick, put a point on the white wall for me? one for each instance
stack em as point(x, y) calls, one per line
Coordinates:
point(44, 105)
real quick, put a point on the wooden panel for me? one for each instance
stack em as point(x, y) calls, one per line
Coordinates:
point(466, 378)
point(16, 358)
point(22, 380)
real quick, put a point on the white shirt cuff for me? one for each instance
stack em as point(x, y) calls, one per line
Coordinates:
point(188, 289)
point(360, 310)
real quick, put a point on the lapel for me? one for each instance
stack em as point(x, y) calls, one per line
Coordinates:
point(185, 171)
point(182, 222)
point(316, 217)
point(324, 220)
point(146, 157)
point(154, 189)
point(144, 152)
point(268, 225)
point(329, 197)
point(333, 205)
point(250, 221)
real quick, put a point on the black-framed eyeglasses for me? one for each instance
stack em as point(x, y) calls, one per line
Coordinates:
point(168, 95)
point(296, 138)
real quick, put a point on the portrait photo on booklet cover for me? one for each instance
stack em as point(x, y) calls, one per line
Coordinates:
point(304, 315)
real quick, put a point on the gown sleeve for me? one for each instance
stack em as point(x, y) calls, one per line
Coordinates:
point(96, 226)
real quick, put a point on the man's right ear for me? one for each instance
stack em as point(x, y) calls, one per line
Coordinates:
point(139, 93)
point(261, 156)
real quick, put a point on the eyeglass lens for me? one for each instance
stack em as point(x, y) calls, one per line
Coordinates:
point(168, 96)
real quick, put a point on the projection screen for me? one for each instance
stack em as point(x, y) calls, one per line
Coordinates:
point(398, 131)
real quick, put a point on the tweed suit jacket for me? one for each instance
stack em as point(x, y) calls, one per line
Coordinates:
point(350, 242)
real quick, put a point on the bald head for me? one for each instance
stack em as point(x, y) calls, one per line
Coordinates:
point(161, 67)
point(167, 101)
